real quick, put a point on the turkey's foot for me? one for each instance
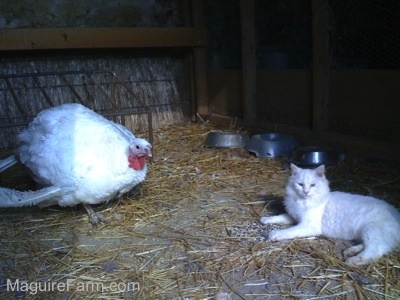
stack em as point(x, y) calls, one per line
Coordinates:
point(94, 218)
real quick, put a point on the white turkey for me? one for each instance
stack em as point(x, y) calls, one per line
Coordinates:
point(78, 157)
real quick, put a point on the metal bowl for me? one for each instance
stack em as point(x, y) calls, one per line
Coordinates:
point(222, 139)
point(315, 156)
point(271, 144)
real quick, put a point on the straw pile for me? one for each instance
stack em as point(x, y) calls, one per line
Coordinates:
point(191, 231)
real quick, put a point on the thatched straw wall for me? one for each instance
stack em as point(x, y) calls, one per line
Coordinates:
point(156, 78)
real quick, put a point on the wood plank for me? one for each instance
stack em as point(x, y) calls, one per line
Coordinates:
point(225, 92)
point(84, 38)
point(247, 18)
point(320, 13)
point(353, 146)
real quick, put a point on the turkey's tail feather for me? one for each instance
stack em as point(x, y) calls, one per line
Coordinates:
point(14, 198)
point(7, 163)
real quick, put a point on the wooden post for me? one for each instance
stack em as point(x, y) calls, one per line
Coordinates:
point(200, 61)
point(320, 16)
point(186, 8)
point(248, 60)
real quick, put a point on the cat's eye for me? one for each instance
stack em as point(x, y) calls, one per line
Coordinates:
point(300, 184)
point(312, 184)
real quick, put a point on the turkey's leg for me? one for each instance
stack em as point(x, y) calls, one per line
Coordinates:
point(94, 218)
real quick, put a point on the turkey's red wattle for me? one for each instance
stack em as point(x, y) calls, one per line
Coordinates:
point(136, 162)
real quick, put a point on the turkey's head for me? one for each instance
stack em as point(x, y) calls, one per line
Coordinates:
point(138, 151)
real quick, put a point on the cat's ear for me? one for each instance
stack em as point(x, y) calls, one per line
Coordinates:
point(320, 171)
point(295, 169)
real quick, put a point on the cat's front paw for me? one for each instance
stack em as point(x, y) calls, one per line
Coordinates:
point(266, 220)
point(276, 235)
point(358, 260)
point(279, 219)
point(353, 250)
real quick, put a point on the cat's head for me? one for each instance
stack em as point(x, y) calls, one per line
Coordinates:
point(307, 183)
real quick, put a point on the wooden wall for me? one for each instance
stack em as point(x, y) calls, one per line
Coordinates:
point(322, 101)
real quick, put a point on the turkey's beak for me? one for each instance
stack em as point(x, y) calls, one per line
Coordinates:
point(148, 152)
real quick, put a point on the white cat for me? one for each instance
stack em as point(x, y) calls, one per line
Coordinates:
point(317, 211)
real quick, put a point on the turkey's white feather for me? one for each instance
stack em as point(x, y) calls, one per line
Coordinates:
point(79, 151)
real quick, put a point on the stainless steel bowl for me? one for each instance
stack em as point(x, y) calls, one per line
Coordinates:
point(223, 139)
point(271, 144)
point(315, 156)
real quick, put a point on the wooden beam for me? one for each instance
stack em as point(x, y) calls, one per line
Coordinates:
point(320, 16)
point(84, 38)
point(247, 17)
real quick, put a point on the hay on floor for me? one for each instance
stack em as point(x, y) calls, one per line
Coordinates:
point(190, 231)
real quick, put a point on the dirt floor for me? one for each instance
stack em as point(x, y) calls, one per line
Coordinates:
point(190, 231)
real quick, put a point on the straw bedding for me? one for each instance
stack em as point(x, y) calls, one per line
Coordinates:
point(191, 231)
